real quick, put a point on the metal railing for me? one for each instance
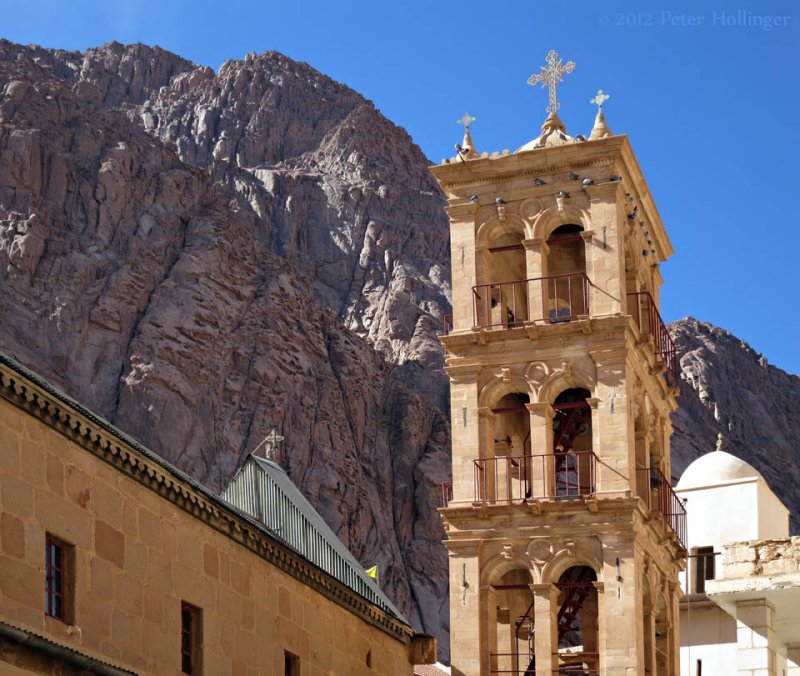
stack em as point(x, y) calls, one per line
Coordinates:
point(559, 298)
point(533, 477)
point(447, 493)
point(447, 324)
point(655, 489)
point(643, 309)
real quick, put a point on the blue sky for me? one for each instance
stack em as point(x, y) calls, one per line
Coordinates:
point(707, 93)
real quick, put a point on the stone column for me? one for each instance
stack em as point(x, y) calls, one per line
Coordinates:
point(488, 630)
point(485, 478)
point(756, 638)
point(535, 253)
point(605, 259)
point(621, 620)
point(464, 429)
point(793, 659)
point(541, 469)
point(462, 255)
point(545, 609)
point(466, 609)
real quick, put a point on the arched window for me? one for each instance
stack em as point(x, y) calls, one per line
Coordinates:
point(577, 620)
point(572, 444)
point(512, 646)
point(502, 300)
point(509, 472)
point(566, 289)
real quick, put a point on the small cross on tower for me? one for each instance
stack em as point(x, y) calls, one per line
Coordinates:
point(550, 76)
point(466, 120)
point(600, 99)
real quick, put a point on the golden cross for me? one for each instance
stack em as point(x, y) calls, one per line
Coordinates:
point(600, 99)
point(466, 120)
point(550, 76)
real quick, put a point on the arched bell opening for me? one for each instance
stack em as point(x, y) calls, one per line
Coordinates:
point(504, 296)
point(512, 447)
point(567, 288)
point(512, 645)
point(573, 460)
point(577, 621)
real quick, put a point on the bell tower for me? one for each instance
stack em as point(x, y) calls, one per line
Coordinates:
point(565, 538)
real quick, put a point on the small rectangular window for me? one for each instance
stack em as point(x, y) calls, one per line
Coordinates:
point(703, 567)
point(291, 664)
point(191, 639)
point(58, 579)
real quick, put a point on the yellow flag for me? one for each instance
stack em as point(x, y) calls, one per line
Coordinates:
point(372, 572)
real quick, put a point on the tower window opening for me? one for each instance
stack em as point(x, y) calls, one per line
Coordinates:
point(566, 292)
point(572, 444)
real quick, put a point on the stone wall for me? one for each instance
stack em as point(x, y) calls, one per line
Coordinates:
point(761, 557)
point(138, 555)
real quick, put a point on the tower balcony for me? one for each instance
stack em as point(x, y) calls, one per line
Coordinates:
point(656, 491)
point(643, 309)
point(554, 299)
point(526, 478)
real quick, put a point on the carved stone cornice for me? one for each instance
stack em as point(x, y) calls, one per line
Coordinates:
point(54, 409)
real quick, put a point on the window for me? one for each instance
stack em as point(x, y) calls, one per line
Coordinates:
point(191, 639)
point(291, 664)
point(58, 579)
point(703, 567)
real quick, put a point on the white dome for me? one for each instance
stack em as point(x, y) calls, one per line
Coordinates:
point(714, 468)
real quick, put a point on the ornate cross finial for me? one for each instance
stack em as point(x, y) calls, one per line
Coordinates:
point(466, 120)
point(550, 76)
point(270, 445)
point(600, 99)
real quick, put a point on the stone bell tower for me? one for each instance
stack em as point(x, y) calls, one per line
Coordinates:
point(565, 539)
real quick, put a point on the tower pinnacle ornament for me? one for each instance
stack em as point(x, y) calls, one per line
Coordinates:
point(466, 120)
point(550, 76)
point(600, 99)
point(466, 149)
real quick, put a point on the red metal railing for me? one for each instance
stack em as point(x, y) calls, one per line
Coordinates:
point(533, 477)
point(447, 493)
point(447, 324)
point(560, 298)
point(656, 491)
point(645, 313)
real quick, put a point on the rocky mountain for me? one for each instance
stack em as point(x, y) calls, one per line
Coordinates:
point(202, 257)
point(727, 387)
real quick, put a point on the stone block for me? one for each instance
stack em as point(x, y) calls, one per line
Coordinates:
point(159, 571)
point(54, 473)
point(149, 527)
point(130, 595)
point(153, 605)
point(17, 496)
point(12, 536)
point(126, 631)
point(78, 487)
point(109, 543)
point(210, 561)
point(21, 583)
point(9, 450)
point(101, 578)
point(240, 579)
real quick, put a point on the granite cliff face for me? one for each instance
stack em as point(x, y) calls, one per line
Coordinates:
point(201, 258)
point(727, 387)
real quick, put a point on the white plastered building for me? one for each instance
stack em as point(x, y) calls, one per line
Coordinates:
point(741, 611)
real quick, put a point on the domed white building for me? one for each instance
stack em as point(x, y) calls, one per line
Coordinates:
point(741, 612)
